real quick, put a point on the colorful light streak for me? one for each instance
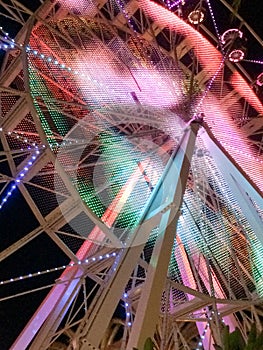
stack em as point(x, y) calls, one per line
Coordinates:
point(153, 87)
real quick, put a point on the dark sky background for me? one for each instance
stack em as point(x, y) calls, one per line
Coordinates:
point(16, 218)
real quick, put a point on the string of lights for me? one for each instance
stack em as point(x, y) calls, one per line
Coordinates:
point(177, 3)
point(126, 15)
point(202, 337)
point(208, 87)
point(127, 306)
point(253, 61)
point(7, 43)
point(23, 138)
point(63, 267)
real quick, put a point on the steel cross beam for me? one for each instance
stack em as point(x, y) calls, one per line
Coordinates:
point(169, 190)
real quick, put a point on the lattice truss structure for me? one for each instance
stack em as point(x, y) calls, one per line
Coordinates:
point(97, 103)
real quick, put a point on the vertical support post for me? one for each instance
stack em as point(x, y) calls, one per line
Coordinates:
point(148, 309)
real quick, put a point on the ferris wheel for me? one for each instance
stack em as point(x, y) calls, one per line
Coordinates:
point(131, 174)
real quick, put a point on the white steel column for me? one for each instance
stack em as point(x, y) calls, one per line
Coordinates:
point(148, 310)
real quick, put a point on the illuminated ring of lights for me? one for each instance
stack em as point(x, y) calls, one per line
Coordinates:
point(196, 17)
point(231, 34)
point(236, 55)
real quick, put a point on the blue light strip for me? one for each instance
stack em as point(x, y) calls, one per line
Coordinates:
point(15, 183)
point(79, 263)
